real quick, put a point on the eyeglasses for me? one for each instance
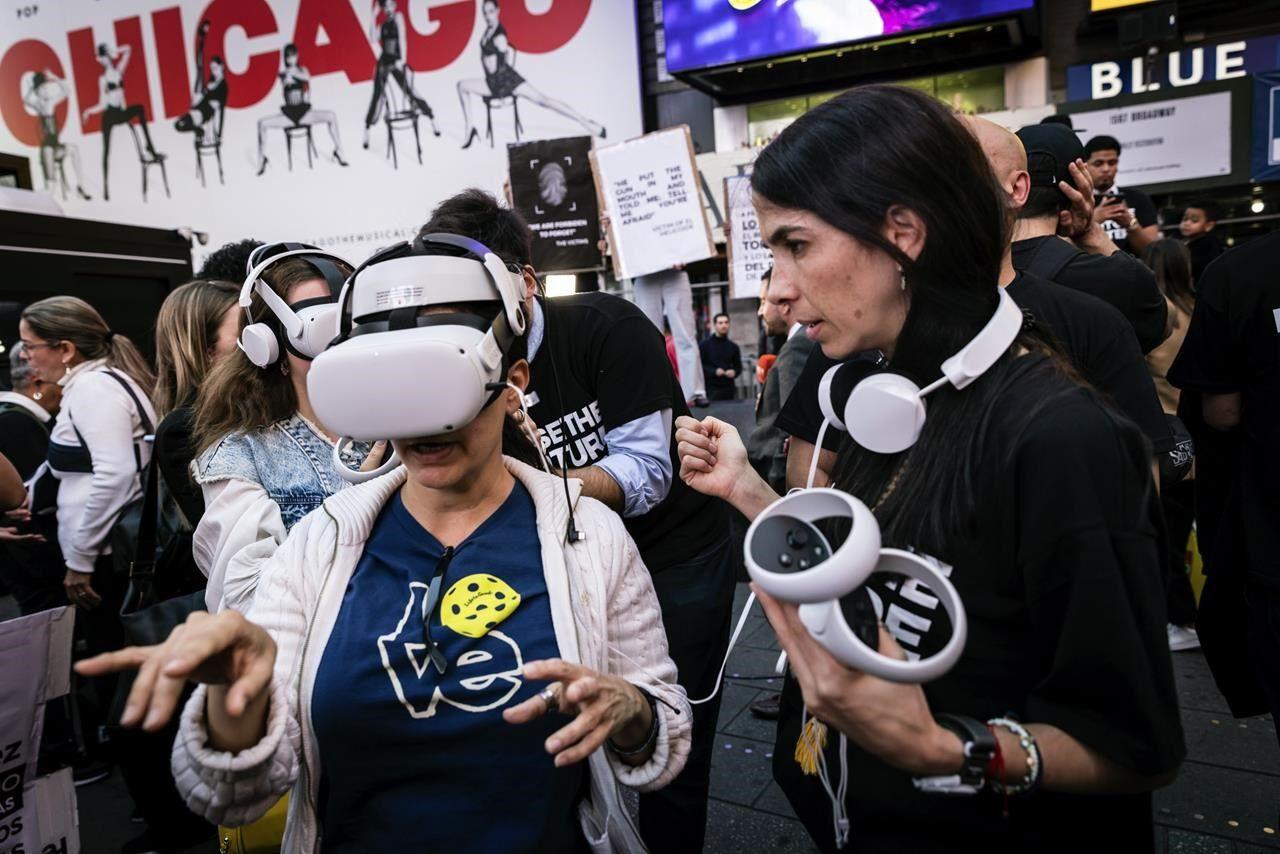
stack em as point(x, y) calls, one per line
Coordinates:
point(31, 345)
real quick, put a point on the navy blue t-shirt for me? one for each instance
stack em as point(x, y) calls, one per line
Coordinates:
point(412, 760)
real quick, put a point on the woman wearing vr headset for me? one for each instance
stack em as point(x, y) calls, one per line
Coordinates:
point(1032, 496)
point(263, 458)
point(430, 663)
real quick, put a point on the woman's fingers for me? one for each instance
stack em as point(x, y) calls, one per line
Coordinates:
point(574, 731)
point(582, 691)
point(249, 687)
point(534, 707)
point(689, 453)
point(552, 670)
point(129, 658)
point(588, 745)
point(139, 700)
point(164, 699)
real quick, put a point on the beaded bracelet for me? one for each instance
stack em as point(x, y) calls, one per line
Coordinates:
point(1027, 742)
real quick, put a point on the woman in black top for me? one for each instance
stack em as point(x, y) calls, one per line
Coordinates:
point(196, 326)
point(501, 80)
point(389, 37)
point(210, 101)
point(111, 105)
point(1031, 494)
point(296, 111)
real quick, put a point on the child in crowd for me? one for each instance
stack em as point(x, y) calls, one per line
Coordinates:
point(1198, 221)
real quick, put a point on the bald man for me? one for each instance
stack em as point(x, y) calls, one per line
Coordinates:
point(1042, 172)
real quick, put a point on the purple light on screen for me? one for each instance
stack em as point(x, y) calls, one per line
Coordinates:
point(704, 33)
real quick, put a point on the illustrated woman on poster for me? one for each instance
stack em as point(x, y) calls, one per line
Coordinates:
point(46, 93)
point(115, 112)
point(387, 30)
point(211, 97)
point(296, 111)
point(501, 80)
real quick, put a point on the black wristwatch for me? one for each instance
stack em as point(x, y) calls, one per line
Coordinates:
point(979, 747)
point(650, 739)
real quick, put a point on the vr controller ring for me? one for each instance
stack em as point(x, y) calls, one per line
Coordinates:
point(826, 623)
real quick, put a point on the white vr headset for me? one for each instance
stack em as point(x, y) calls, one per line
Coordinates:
point(393, 372)
point(306, 326)
point(788, 556)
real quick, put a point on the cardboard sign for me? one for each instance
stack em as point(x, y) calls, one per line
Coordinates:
point(35, 666)
point(649, 189)
point(553, 188)
point(748, 256)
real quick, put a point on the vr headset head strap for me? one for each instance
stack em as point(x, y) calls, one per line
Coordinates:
point(265, 258)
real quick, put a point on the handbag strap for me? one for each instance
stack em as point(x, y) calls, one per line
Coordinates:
point(143, 566)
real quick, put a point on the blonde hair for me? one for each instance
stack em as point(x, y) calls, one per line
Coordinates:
point(186, 332)
point(237, 394)
point(71, 319)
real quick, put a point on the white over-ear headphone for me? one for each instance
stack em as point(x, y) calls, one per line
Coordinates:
point(886, 412)
point(308, 325)
point(791, 560)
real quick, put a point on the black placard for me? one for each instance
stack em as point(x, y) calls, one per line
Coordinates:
point(552, 187)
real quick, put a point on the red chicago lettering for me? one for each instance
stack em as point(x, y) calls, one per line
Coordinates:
point(27, 56)
point(348, 49)
point(546, 32)
point(446, 42)
point(172, 59)
point(256, 19)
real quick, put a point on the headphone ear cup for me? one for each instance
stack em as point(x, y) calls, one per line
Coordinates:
point(885, 413)
point(825, 403)
point(259, 343)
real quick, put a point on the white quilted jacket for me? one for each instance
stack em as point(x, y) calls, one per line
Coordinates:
point(605, 616)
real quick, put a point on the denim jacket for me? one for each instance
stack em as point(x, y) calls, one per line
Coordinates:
point(291, 460)
point(257, 486)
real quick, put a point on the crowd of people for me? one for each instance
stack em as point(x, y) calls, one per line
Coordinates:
point(509, 608)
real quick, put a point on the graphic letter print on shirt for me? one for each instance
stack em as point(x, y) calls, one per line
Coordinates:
point(484, 677)
point(911, 608)
point(576, 439)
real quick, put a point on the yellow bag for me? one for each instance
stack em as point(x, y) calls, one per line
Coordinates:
point(261, 837)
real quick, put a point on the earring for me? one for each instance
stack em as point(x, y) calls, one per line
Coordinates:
point(902, 279)
point(38, 395)
point(284, 367)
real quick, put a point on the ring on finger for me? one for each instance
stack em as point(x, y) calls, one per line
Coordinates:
point(551, 696)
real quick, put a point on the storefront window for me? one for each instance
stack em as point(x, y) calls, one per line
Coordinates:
point(980, 90)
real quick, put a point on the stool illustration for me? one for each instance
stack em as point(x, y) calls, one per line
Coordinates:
point(293, 132)
point(208, 140)
point(499, 101)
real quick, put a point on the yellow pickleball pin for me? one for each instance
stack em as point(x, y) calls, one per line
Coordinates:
point(475, 604)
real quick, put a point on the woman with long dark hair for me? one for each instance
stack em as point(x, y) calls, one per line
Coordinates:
point(501, 80)
point(887, 229)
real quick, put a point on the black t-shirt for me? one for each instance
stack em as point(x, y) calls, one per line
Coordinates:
point(1204, 249)
point(1093, 336)
point(611, 367)
point(1119, 279)
point(23, 439)
point(174, 453)
point(1233, 346)
point(1060, 576)
point(1144, 211)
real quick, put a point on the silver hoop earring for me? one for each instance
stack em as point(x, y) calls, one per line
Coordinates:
point(902, 279)
point(38, 395)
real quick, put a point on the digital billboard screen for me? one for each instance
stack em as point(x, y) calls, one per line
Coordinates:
point(705, 33)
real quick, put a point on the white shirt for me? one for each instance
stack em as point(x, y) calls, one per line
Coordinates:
point(90, 504)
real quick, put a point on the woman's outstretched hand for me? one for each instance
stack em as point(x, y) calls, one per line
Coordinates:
point(225, 651)
point(603, 706)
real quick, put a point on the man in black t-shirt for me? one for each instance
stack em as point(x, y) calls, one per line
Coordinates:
point(721, 360)
point(1128, 216)
point(1091, 262)
point(604, 398)
point(1229, 362)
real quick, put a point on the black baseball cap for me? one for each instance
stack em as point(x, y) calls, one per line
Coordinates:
point(1051, 149)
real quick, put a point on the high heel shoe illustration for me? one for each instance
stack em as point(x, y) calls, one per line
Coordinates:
point(337, 158)
point(263, 167)
point(475, 134)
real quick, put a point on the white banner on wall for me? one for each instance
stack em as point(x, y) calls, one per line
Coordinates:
point(1175, 140)
point(336, 122)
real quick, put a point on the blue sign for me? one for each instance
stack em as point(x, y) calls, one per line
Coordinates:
point(1266, 126)
point(1187, 66)
point(705, 33)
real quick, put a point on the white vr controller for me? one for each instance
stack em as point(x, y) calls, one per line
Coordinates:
point(791, 560)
